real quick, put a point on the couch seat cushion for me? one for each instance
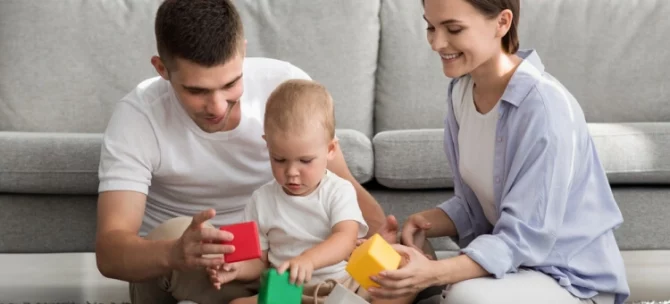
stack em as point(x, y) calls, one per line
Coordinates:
point(38, 163)
point(632, 153)
point(411, 159)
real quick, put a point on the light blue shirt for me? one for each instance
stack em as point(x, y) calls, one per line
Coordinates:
point(556, 210)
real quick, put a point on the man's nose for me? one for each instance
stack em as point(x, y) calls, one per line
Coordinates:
point(217, 104)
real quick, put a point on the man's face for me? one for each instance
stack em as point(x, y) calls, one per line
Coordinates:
point(206, 92)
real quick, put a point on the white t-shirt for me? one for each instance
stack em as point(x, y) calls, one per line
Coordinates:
point(152, 146)
point(289, 225)
point(476, 140)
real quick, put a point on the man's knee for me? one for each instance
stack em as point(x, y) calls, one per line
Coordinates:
point(196, 286)
point(150, 292)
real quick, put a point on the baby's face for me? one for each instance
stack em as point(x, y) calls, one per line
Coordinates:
point(299, 160)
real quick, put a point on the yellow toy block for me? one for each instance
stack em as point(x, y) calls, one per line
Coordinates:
point(370, 258)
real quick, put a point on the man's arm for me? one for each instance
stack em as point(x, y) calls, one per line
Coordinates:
point(372, 211)
point(123, 255)
point(120, 253)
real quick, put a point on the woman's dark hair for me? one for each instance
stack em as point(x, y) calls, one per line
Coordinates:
point(491, 9)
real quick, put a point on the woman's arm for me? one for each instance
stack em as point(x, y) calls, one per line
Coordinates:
point(457, 269)
point(440, 223)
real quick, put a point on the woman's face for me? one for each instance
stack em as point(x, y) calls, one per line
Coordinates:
point(462, 36)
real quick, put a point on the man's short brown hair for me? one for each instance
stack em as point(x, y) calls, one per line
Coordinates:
point(207, 32)
point(297, 105)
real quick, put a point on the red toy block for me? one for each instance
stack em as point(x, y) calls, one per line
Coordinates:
point(245, 240)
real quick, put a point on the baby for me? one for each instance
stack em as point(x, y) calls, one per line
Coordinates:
point(308, 217)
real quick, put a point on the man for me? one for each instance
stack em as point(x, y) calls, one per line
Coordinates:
point(182, 154)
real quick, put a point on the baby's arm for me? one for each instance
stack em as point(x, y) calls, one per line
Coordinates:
point(250, 270)
point(337, 247)
point(346, 220)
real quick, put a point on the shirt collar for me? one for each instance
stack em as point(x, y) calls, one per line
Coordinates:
point(526, 76)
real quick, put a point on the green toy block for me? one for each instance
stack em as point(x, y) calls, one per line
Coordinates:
point(276, 289)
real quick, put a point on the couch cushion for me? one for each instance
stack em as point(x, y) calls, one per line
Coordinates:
point(335, 42)
point(67, 163)
point(358, 153)
point(64, 64)
point(411, 87)
point(597, 51)
point(632, 153)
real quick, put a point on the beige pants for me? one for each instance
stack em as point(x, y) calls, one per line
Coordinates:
point(317, 293)
point(526, 286)
point(180, 286)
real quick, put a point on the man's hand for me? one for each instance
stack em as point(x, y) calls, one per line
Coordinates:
point(220, 275)
point(301, 270)
point(197, 241)
point(388, 231)
point(414, 231)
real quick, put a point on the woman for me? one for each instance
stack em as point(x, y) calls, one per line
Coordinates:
point(532, 210)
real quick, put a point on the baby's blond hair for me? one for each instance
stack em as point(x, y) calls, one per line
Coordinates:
point(297, 105)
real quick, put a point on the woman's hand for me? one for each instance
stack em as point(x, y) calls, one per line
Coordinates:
point(415, 274)
point(414, 231)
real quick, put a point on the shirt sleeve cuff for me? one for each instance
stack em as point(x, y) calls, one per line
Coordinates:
point(264, 243)
point(116, 185)
point(491, 253)
point(455, 210)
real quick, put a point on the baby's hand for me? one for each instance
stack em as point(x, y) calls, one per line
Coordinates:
point(301, 270)
point(223, 274)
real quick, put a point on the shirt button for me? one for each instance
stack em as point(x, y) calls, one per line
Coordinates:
point(497, 180)
point(499, 139)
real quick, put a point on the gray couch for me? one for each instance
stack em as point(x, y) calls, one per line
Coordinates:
point(65, 63)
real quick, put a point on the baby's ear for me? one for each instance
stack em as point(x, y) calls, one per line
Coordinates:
point(331, 148)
